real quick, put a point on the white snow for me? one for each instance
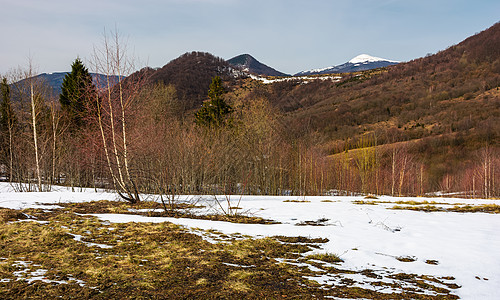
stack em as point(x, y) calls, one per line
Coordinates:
point(365, 58)
point(47, 200)
point(316, 70)
point(304, 79)
point(25, 273)
point(79, 238)
point(361, 59)
point(465, 245)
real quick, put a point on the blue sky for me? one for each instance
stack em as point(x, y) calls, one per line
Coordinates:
point(289, 35)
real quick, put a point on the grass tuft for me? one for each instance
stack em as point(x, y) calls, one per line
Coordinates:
point(326, 257)
point(297, 201)
point(406, 258)
point(484, 208)
point(8, 215)
point(362, 202)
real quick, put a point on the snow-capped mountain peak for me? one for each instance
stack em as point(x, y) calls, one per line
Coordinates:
point(364, 58)
point(361, 62)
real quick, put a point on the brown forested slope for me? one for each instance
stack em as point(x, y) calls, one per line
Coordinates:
point(451, 91)
point(447, 103)
point(191, 74)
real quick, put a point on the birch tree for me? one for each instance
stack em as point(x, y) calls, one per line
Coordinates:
point(33, 98)
point(114, 97)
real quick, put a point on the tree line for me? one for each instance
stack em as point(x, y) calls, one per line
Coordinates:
point(135, 136)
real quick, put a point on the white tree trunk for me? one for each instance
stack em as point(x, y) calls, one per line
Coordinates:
point(35, 139)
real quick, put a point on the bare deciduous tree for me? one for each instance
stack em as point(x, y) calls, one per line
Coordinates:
point(112, 104)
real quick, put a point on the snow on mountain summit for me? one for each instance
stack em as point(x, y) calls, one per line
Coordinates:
point(361, 62)
point(363, 58)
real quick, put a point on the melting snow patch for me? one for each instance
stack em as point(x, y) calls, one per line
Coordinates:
point(37, 275)
point(78, 238)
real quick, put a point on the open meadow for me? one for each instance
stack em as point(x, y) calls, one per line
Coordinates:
point(89, 244)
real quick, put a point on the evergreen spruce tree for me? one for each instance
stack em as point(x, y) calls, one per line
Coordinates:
point(76, 93)
point(7, 116)
point(8, 122)
point(214, 112)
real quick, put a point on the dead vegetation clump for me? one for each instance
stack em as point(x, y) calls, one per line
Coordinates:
point(326, 257)
point(483, 208)
point(155, 209)
point(8, 215)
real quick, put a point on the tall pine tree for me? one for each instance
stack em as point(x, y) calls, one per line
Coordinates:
point(8, 122)
point(214, 112)
point(7, 116)
point(76, 93)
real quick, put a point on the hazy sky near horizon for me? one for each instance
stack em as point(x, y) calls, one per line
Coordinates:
point(288, 35)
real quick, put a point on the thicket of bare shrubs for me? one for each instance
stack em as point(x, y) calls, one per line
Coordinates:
point(168, 154)
point(139, 138)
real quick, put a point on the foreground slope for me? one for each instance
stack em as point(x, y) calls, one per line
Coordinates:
point(389, 248)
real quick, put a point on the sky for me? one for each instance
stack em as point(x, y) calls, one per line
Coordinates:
point(288, 35)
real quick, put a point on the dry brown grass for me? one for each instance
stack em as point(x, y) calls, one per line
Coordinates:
point(163, 260)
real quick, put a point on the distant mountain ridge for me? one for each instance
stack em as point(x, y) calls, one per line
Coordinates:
point(362, 62)
point(248, 63)
point(243, 62)
point(55, 80)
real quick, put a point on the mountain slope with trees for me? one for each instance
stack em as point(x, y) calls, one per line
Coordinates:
point(359, 63)
point(426, 126)
point(250, 64)
point(448, 104)
point(191, 75)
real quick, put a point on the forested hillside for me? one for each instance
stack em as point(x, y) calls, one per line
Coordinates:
point(447, 105)
point(198, 126)
point(191, 74)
